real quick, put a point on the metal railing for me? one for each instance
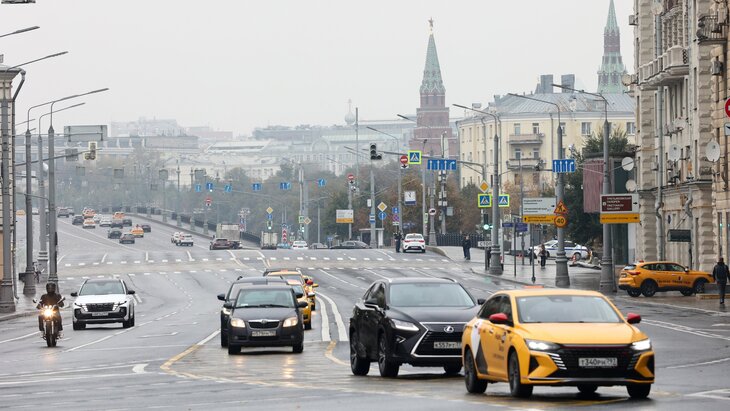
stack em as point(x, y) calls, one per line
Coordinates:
point(711, 30)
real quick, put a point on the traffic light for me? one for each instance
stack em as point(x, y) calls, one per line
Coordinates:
point(374, 152)
point(92, 151)
point(268, 224)
point(485, 222)
point(301, 228)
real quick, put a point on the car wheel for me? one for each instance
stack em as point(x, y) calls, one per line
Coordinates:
point(79, 326)
point(358, 365)
point(587, 388)
point(308, 326)
point(699, 286)
point(132, 320)
point(452, 369)
point(423, 251)
point(634, 292)
point(234, 349)
point(638, 391)
point(224, 340)
point(388, 367)
point(577, 256)
point(687, 292)
point(516, 387)
point(648, 288)
point(473, 384)
point(298, 348)
point(127, 324)
point(314, 307)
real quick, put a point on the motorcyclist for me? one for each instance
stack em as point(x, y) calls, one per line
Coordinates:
point(51, 297)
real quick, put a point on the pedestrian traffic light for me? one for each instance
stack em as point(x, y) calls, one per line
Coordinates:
point(92, 151)
point(301, 228)
point(268, 224)
point(374, 152)
point(485, 222)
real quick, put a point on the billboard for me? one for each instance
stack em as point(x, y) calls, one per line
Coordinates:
point(86, 133)
point(345, 217)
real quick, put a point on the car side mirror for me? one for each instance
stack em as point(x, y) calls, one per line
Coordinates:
point(371, 303)
point(299, 295)
point(73, 294)
point(686, 269)
point(310, 295)
point(228, 305)
point(36, 301)
point(130, 292)
point(302, 304)
point(632, 318)
point(222, 297)
point(499, 318)
point(315, 285)
point(481, 301)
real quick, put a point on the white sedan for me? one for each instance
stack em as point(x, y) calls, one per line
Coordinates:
point(571, 250)
point(414, 242)
point(299, 245)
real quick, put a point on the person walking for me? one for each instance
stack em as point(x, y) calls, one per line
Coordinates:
point(721, 273)
point(398, 237)
point(543, 255)
point(466, 245)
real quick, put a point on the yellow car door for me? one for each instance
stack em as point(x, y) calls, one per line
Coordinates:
point(678, 276)
point(660, 274)
point(495, 342)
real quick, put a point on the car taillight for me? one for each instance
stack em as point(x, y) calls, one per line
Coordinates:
point(421, 241)
point(633, 272)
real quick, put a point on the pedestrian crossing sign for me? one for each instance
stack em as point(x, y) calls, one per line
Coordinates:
point(484, 200)
point(414, 157)
point(504, 200)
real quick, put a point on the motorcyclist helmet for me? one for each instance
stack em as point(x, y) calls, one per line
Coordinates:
point(51, 288)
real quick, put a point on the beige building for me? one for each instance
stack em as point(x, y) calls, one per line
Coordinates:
point(679, 101)
point(528, 135)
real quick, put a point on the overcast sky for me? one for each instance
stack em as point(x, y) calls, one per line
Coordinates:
point(238, 64)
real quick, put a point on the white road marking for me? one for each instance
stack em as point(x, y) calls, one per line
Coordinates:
point(376, 274)
point(177, 260)
point(20, 338)
point(146, 256)
point(246, 259)
point(340, 258)
point(103, 259)
point(139, 369)
point(160, 335)
point(82, 264)
point(326, 258)
point(190, 257)
point(208, 338)
point(685, 329)
point(138, 298)
point(109, 263)
point(322, 310)
point(137, 262)
point(95, 263)
point(700, 364)
point(341, 329)
point(287, 258)
point(90, 343)
point(205, 259)
point(67, 265)
point(219, 259)
point(150, 261)
point(300, 258)
point(341, 280)
point(721, 394)
point(164, 261)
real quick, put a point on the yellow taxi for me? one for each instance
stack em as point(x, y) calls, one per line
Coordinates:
point(88, 223)
point(137, 232)
point(287, 274)
point(88, 213)
point(309, 286)
point(648, 277)
point(541, 337)
point(306, 311)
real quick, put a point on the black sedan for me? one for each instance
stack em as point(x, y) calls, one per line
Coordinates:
point(350, 245)
point(115, 234)
point(78, 220)
point(127, 222)
point(230, 296)
point(146, 228)
point(265, 316)
point(417, 321)
point(127, 238)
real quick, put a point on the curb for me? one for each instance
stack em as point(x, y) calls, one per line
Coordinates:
point(187, 230)
point(437, 251)
point(17, 315)
point(510, 280)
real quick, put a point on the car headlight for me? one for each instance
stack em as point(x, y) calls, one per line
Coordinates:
point(238, 323)
point(404, 325)
point(642, 345)
point(541, 345)
point(226, 311)
point(291, 322)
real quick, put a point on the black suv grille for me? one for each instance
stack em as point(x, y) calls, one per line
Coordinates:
point(99, 307)
point(263, 324)
point(426, 345)
point(625, 357)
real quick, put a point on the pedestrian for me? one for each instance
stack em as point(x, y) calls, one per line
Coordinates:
point(543, 255)
point(398, 237)
point(466, 245)
point(720, 273)
point(489, 255)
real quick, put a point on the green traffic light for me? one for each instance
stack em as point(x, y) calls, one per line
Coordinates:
point(487, 226)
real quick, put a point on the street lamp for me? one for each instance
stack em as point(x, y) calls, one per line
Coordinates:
point(19, 31)
point(495, 265)
point(52, 271)
point(164, 174)
point(177, 206)
point(607, 281)
point(400, 175)
point(423, 181)
point(562, 279)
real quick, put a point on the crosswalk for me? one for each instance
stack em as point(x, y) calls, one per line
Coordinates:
point(253, 259)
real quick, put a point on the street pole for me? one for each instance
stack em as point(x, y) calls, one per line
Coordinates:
point(53, 246)
point(43, 227)
point(484, 178)
point(607, 280)
point(424, 215)
point(29, 283)
point(164, 174)
point(350, 187)
point(373, 242)
point(7, 299)
point(522, 204)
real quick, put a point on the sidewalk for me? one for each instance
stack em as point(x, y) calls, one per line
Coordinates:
point(24, 306)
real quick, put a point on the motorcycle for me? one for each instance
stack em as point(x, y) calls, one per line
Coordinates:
point(49, 313)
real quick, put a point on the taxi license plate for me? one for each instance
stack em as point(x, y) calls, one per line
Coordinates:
point(597, 362)
point(99, 314)
point(266, 333)
point(446, 345)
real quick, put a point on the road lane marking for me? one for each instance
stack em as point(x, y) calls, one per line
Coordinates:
point(20, 338)
point(147, 256)
point(329, 354)
point(700, 364)
point(137, 297)
point(90, 343)
point(103, 259)
point(339, 279)
point(322, 309)
point(685, 329)
point(341, 329)
point(160, 335)
point(190, 257)
point(379, 275)
point(139, 369)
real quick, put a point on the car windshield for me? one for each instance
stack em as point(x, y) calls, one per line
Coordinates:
point(414, 237)
point(102, 288)
point(264, 298)
point(429, 295)
point(297, 288)
point(565, 309)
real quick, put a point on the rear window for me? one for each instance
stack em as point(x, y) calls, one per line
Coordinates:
point(630, 267)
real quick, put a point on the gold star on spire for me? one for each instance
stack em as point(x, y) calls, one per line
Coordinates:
point(430, 24)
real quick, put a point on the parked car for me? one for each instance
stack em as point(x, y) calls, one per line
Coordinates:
point(651, 276)
point(349, 245)
point(127, 238)
point(299, 245)
point(317, 246)
point(114, 233)
point(103, 301)
point(414, 241)
point(284, 246)
point(220, 244)
point(77, 220)
point(146, 228)
point(571, 250)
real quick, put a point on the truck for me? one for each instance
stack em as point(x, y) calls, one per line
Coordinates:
point(268, 240)
point(230, 232)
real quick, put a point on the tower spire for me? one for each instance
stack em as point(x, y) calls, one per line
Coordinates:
point(432, 82)
point(612, 66)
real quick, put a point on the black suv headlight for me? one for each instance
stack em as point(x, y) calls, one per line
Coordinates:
point(404, 325)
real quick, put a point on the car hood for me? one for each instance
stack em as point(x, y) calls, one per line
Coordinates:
point(273, 313)
point(582, 333)
point(433, 314)
point(97, 299)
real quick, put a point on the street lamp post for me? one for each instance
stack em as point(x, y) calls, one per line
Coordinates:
point(400, 175)
point(192, 210)
point(164, 174)
point(177, 206)
point(495, 265)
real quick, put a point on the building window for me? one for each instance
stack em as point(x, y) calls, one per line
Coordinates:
point(630, 128)
point(535, 128)
point(518, 130)
point(517, 178)
point(536, 153)
point(518, 153)
point(585, 128)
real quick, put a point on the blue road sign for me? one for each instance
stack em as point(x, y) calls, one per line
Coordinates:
point(198, 188)
point(382, 215)
point(414, 157)
point(256, 186)
point(321, 182)
point(228, 188)
point(372, 218)
point(441, 164)
point(484, 200)
point(507, 225)
point(209, 186)
point(522, 227)
point(396, 210)
point(504, 200)
point(566, 165)
point(269, 216)
point(285, 186)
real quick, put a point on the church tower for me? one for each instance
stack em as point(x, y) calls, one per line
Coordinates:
point(433, 115)
point(612, 68)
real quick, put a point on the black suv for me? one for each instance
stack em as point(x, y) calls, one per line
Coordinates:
point(127, 222)
point(62, 212)
point(233, 292)
point(265, 316)
point(78, 220)
point(112, 233)
point(417, 321)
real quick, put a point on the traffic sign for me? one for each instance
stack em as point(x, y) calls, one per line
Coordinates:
point(484, 186)
point(284, 186)
point(209, 186)
point(269, 210)
point(351, 177)
point(521, 227)
point(395, 210)
point(382, 206)
point(425, 218)
point(507, 224)
point(566, 165)
point(301, 219)
point(539, 219)
point(619, 208)
point(484, 200)
point(382, 215)
point(269, 216)
point(409, 197)
point(208, 201)
point(560, 208)
point(198, 188)
point(561, 221)
point(504, 200)
point(228, 188)
point(256, 186)
point(727, 129)
point(431, 211)
point(538, 205)
point(307, 221)
point(727, 107)
point(395, 218)
point(321, 182)
point(404, 160)
point(441, 164)
point(344, 217)
point(372, 218)
point(414, 156)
